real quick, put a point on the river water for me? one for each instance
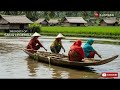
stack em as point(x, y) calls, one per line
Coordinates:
point(14, 63)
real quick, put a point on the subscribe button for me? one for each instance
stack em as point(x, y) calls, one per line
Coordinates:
point(109, 74)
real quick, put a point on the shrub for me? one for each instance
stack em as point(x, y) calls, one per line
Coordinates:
point(35, 27)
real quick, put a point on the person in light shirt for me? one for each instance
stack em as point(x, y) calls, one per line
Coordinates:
point(56, 45)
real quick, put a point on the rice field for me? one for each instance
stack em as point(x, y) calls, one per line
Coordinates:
point(89, 31)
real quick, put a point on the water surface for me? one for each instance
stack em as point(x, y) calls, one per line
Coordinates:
point(14, 63)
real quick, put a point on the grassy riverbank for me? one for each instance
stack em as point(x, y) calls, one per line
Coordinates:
point(110, 32)
point(90, 31)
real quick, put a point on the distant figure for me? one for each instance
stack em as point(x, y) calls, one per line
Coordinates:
point(34, 44)
point(89, 50)
point(57, 44)
point(76, 52)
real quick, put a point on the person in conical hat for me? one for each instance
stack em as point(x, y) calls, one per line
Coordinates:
point(34, 44)
point(57, 44)
point(60, 36)
point(36, 34)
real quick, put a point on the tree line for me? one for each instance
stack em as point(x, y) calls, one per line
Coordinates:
point(34, 15)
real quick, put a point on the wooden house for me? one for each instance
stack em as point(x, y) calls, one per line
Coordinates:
point(73, 21)
point(108, 22)
point(118, 21)
point(53, 22)
point(42, 21)
point(10, 22)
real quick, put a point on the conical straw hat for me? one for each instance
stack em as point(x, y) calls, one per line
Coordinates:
point(60, 36)
point(36, 34)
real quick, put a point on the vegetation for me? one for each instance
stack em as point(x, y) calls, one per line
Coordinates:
point(35, 27)
point(90, 31)
point(1, 34)
point(34, 15)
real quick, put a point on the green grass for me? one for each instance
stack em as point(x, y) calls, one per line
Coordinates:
point(90, 31)
point(1, 34)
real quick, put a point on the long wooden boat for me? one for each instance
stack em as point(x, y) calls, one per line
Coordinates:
point(62, 60)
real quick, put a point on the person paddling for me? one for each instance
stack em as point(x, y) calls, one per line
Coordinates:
point(34, 44)
point(89, 50)
point(76, 52)
point(57, 44)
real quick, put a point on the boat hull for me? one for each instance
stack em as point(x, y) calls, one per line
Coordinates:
point(62, 60)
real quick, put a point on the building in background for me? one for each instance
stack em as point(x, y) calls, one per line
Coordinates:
point(42, 21)
point(53, 22)
point(109, 22)
point(11, 23)
point(73, 21)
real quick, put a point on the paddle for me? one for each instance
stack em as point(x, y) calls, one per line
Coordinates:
point(45, 48)
point(63, 53)
point(99, 55)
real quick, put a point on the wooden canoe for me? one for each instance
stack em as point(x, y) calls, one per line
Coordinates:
point(62, 60)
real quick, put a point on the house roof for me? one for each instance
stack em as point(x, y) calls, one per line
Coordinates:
point(110, 20)
point(118, 19)
point(75, 20)
point(40, 20)
point(53, 21)
point(16, 19)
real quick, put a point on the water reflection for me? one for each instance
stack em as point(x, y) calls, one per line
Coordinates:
point(73, 73)
point(57, 72)
point(32, 66)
